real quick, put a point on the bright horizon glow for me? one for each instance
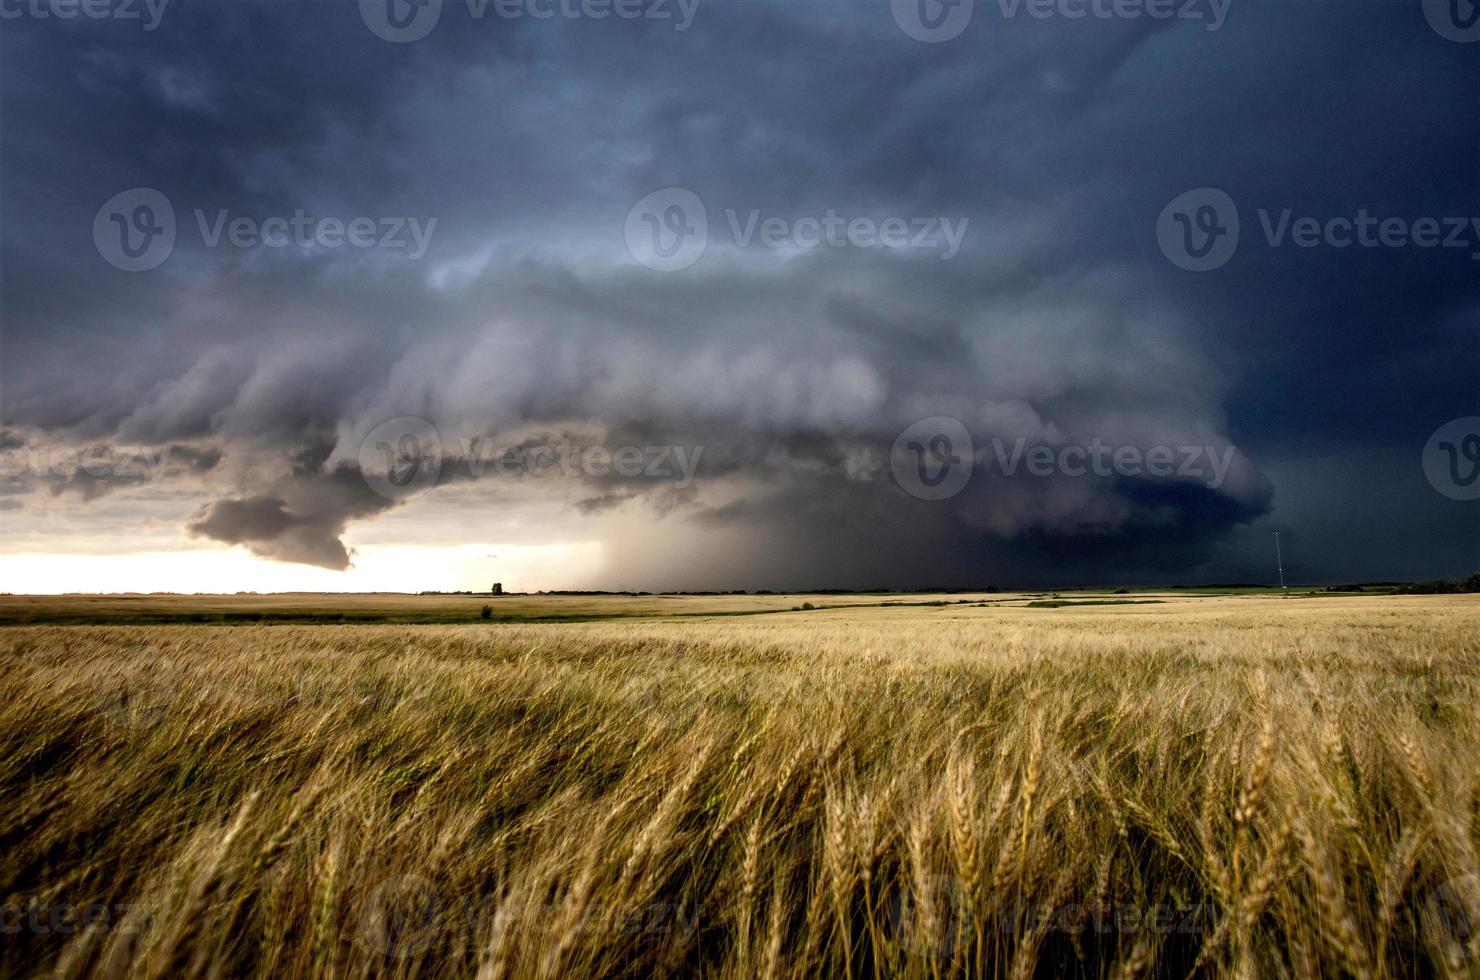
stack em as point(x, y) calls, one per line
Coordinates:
point(375, 568)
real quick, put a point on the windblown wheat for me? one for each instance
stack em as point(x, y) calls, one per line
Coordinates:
point(1236, 786)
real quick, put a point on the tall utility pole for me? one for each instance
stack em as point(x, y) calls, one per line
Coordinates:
point(1279, 559)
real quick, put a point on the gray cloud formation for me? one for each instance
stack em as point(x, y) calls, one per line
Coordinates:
point(301, 524)
point(1059, 322)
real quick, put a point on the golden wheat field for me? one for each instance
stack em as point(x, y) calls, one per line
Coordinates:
point(1222, 786)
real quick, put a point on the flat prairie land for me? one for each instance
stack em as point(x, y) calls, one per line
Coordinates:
point(333, 608)
point(729, 786)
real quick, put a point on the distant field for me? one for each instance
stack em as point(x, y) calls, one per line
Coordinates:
point(322, 607)
point(1235, 785)
point(396, 608)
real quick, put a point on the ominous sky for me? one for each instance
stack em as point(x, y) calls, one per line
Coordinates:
point(736, 294)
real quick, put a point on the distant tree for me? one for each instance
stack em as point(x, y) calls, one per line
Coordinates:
point(486, 612)
point(498, 589)
point(1440, 587)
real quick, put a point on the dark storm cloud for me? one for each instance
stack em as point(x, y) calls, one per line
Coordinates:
point(300, 522)
point(267, 526)
point(1059, 322)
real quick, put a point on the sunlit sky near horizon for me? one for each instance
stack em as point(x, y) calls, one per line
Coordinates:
point(465, 568)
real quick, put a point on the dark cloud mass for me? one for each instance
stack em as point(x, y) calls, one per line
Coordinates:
point(304, 524)
point(1314, 375)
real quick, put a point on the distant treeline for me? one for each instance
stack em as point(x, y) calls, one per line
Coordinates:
point(1436, 587)
point(1440, 587)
